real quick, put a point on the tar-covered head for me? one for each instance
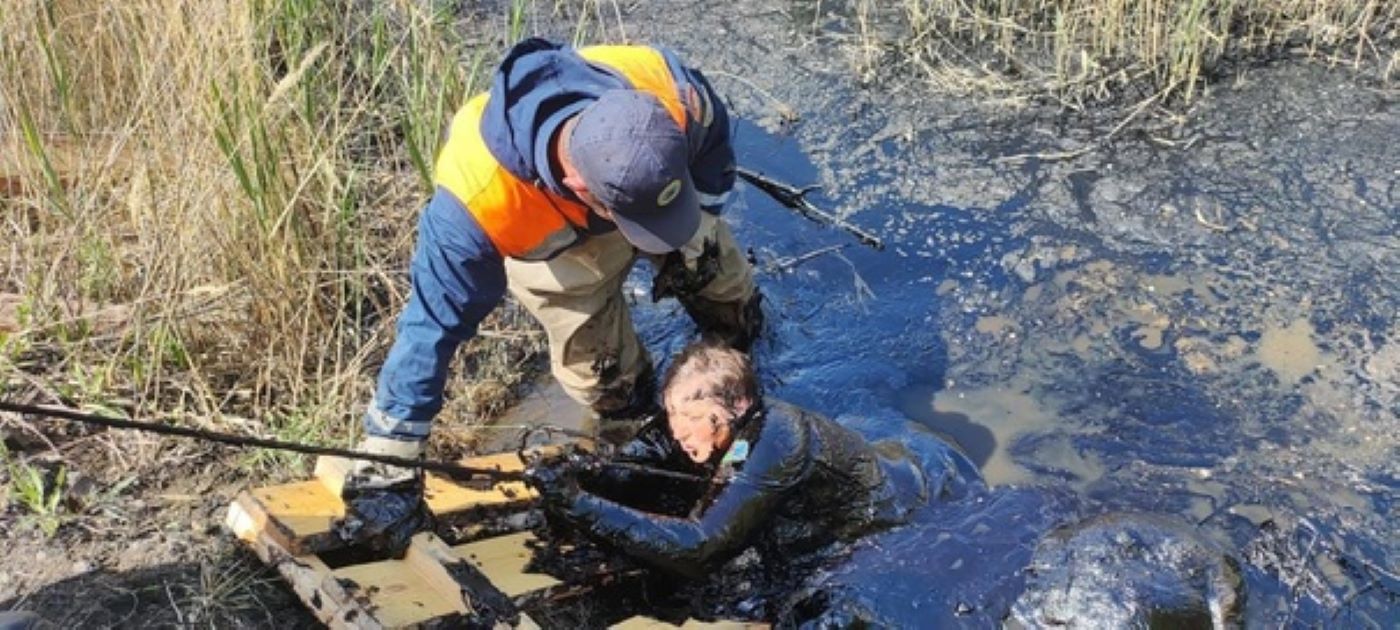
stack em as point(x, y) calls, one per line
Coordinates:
point(708, 389)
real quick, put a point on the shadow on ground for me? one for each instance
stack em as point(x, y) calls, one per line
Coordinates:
point(231, 590)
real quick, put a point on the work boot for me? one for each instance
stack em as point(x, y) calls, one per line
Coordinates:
point(617, 415)
point(384, 505)
point(736, 323)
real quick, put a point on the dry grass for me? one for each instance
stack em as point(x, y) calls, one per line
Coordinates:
point(206, 207)
point(1085, 51)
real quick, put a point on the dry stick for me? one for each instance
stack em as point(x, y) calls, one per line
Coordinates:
point(1053, 156)
point(1069, 155)
point(509, 334)
point(1200, 218)
point(861, 286)
point(791, 262)
point(621, 28)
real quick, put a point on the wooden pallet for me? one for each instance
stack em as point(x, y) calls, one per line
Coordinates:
point(289, 527)
point(435, 584)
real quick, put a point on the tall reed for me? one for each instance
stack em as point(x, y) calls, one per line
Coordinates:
point(1087, 50)
point(205, 206)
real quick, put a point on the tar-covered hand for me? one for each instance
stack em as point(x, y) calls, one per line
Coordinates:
point(681, 277)
point(556, 480)
point(687, 271)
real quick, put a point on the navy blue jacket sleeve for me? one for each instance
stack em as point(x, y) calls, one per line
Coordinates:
point(711, 151)
point(458, 277)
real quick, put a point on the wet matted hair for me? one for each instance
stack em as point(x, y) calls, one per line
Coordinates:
point(727, 373)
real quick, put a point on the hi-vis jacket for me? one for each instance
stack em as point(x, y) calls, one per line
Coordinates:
point(499, 194)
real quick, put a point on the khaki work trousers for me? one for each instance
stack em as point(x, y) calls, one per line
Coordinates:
point(594, 350)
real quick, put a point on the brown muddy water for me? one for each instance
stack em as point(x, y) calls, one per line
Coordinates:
point(1203, 329)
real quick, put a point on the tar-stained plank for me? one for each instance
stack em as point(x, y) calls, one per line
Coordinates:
point(503, 560)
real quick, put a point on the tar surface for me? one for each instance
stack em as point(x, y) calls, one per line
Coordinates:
point(1202, 330)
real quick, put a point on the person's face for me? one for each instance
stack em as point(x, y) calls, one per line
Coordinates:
point(572, 179)
point(700, 426)
point(593, 204)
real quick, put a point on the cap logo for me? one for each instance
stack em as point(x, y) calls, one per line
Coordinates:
point(668, 194)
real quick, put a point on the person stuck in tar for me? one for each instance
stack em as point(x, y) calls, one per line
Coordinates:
point(551, 185)
point(779, 478)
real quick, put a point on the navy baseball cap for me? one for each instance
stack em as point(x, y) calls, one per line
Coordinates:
point(635, 160)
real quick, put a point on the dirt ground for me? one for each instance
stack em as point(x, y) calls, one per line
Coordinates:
point(139, 540)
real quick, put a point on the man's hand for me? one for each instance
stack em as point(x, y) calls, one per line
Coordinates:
point(383, 504)
point(688, 270)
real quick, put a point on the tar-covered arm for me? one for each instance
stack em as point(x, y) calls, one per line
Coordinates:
point(778, 462)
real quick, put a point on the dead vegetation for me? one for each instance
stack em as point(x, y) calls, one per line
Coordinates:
point(206, 211)
point(1083, 52)
point(207, 207)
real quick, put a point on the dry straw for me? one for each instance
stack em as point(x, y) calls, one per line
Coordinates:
point(205, 207)
point(1083, 51)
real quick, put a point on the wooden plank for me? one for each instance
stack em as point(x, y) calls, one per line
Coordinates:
point(315, 584)
point(504, 462)
point(446, 498)
point(246, 519)
point(331, 470)
point(303, 506)
point(444, 495)
point(286, 525)
point(503, 560)
point(432, 556)
point(308, 576)
point(298, 515)
point(423, 587)
point(398, 595)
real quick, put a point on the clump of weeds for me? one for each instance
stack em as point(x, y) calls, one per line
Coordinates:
point(37, 491)
point(207, 209)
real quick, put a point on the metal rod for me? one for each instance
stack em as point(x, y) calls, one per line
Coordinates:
point(796, 199)
point(452, 470)
point(447, 468)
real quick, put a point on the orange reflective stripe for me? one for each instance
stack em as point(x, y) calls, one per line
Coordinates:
point(519, 218)
point(645, 69)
